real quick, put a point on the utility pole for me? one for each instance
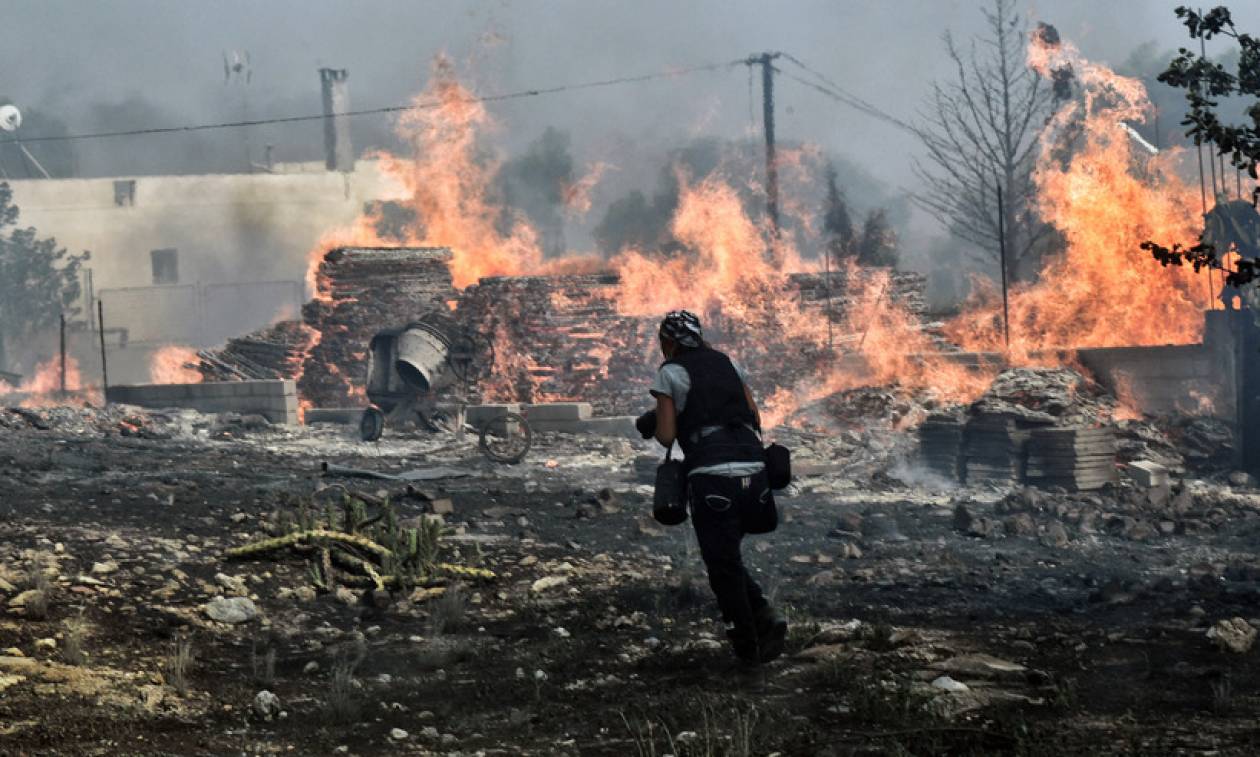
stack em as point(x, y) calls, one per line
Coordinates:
point(767, 121)
point(1006, 307)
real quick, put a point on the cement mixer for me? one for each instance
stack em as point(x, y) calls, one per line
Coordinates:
point(409, 366)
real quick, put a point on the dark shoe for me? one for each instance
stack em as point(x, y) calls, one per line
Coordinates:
point(746, 646)
point(771, 633)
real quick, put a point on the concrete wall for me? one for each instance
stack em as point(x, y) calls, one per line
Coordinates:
point(1188, 378)
point(275, 400)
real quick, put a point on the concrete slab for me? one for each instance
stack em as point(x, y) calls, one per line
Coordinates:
point(476, 415)
point(1147, 473)
point(559, 411)
point(276, 400)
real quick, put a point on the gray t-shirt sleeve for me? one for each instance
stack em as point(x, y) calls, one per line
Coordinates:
point(672, 381)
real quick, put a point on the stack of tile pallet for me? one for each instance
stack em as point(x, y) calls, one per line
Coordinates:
point(993, 449)
point(940, 445)
point(363, 290)
point(1076, 459)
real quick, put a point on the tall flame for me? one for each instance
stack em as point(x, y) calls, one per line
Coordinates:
point(1103, 290)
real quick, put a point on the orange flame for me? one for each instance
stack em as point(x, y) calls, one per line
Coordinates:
point(1103, 291)
point(174, 364)
point(43, 388)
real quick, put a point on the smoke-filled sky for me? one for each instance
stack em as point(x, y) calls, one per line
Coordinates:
point(112, 63)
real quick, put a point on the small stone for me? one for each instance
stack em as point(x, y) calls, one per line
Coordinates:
point(104, 568)
point(609, 502)
point(231, 584)
point(562, 632)
point(527, 561)
point(548, 582)
point(45, 644)
point(1234, 635)
point(310, 667)
point(231, 609)
point(1021, 524)
point(1241, 480)
point(429, 732)
point(1055, 536)
point(266, 705)
point(945, 683)
point(398, 734)
point(652, 642)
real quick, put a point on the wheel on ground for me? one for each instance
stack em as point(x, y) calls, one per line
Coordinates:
point(506, 439)
point(372, 424)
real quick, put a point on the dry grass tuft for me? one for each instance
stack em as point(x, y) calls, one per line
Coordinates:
point(72, 650)
point(179, 664)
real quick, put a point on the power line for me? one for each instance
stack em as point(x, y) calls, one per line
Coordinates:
point(394, 108)
point(828, 87)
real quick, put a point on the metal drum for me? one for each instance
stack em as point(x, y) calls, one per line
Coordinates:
point(421, 360)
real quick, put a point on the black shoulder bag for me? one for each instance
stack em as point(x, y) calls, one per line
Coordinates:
point(778, 466)
point(669, 502)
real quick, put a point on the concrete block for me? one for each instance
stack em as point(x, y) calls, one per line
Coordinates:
point(1147, 473)
point(476, 415)
point(559, 411)
point(442, 507)
point(564, 427)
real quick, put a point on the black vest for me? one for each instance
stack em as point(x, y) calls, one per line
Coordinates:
point(716, 398)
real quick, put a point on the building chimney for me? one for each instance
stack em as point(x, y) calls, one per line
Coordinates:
point(338, 153)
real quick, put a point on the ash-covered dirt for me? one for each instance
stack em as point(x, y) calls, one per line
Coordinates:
point(925, 619)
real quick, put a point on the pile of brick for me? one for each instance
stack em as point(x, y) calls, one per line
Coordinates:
point(1075, 459)
point(275, 352)
point(1040, 426)
point(556, 338)
point(561, 339)
point(851, 288)
point(940, 445)
point(364, 290)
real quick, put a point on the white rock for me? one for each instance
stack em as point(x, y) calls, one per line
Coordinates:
point(266, 704)
point(104, 568)
point(1234, 635)
point(548, 582)
point(398, 734)
point(945, 683)
point(563, 632)
point(231, 609)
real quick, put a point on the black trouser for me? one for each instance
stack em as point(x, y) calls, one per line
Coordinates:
point(723, 510)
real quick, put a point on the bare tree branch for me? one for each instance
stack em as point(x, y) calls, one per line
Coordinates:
point(982, 130)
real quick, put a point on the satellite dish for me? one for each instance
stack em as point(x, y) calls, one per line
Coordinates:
point(10, 117)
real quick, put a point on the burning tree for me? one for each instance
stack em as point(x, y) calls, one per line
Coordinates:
point(981, 131)
point(38, 280)
point(1206, 82)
